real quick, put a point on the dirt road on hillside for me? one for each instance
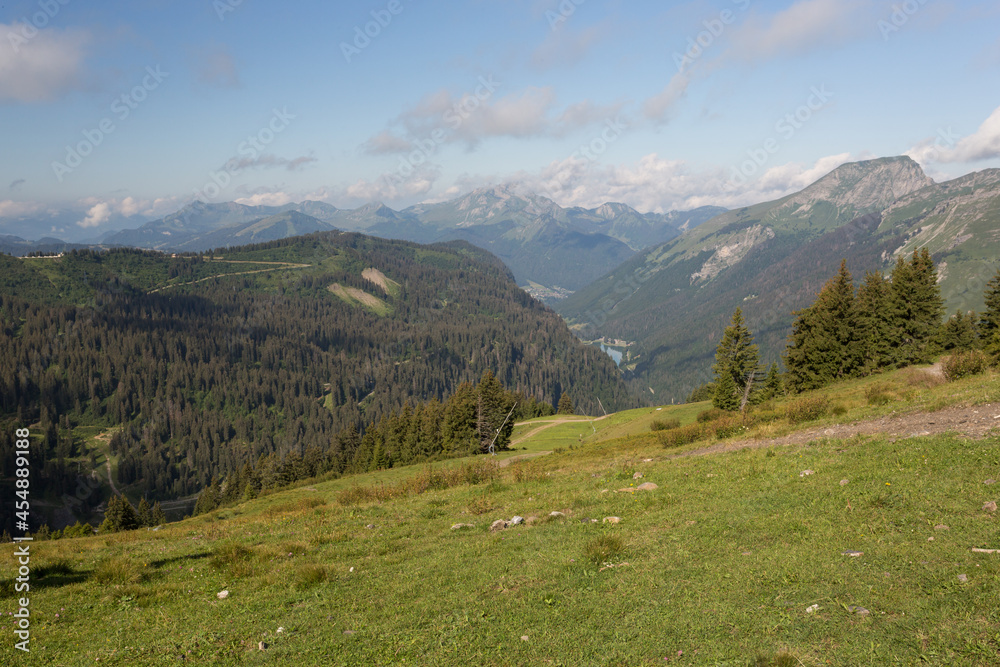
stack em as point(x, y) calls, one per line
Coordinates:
point(971, 421)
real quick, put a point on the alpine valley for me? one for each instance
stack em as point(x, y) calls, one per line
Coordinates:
point(664, 308)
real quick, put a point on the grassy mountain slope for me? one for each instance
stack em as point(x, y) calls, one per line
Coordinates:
point(772, 258)
point(737, 556)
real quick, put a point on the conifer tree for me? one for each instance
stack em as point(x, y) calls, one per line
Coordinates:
point(726, 396)
point(736, 356)
point(157, 517)
point(144, 513)
point(492, 409)
point(120, 515)
point(989, 323)
point(773, 385)
point(565, 405)
point(960, 332)
point(917, 307)
point(824, 344)
point(874, 323)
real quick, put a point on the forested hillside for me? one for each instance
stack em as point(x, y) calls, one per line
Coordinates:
point(192, 366)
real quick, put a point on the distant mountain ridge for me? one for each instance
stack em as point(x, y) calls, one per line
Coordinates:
point(550, 249)
point(672, 301)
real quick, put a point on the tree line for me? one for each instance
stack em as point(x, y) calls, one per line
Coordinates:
point(887, 322)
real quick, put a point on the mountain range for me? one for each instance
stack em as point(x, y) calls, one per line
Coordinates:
point(667, 306)
point(551, 250)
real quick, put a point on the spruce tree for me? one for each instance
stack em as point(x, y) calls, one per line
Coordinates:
point(157, 517)
point(874, 323)
point(916, 307)
point(824, 345)
point(989, 323)
point(120, 515)
point(726, 396)
point(773, 385)
point(144, 513)
point(565, 405)
point(960, 332)
point(736, 355)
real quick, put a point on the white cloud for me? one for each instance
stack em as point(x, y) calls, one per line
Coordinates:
point(983, 144)
point(267, 199)
point(42, 68)
point(805, 26)
point(215, 66)
point(657, 107)
point(565, 46)
point(443, 118)
point(267, 161)
point(657, 184)
point(389, 188)
point(97, 215)
point(15, 209)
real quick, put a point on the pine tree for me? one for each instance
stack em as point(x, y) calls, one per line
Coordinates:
point(874, 323)
point(736, 356)
point(916, 307)
point(824, 344)
point(119, 516)
point(144, 513)
point(493, 404)
point(960, 332)
point(773, 385)
point(727, 396)
point(157, 517)
point(565, 405)
point(989, 323)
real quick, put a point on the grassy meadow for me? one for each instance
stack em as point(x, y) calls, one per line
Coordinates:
point(736, 558)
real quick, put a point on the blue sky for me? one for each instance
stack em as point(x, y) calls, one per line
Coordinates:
point(118, 109)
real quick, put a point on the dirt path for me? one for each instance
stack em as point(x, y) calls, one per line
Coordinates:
point(971, 421)
point(521, 457)
point(549, 424)
point(111, 479)
point(281, 266)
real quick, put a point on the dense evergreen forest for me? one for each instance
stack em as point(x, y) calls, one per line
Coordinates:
point(194, 366)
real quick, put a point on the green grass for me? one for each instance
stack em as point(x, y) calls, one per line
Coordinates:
point(716, 566)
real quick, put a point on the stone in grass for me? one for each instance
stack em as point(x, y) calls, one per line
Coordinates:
point(612, 519)
point(517, 521)
point(261, 646)
point(498, 525)
point(844, 482)
point(806, 473)
point(556, 514)
point(990, 506)
point(963, 578)
point(852, 553)
point(222, 595)
point(648, 486)
point(638, 475)
point(460, 526)
point(855, 609)
point(990, 481)
point(812, 609)
point(941, 526)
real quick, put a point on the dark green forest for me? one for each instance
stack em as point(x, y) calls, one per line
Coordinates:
point(196, 371)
